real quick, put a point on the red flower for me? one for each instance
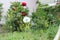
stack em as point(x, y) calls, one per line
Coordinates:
point(24, 14)
point(23, 3)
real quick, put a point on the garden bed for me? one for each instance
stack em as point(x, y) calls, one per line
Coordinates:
point(42, 25)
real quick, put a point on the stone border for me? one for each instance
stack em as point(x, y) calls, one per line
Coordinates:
point(57, 34)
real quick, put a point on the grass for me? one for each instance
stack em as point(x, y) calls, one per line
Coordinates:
point(31, 35)
point(20, 36)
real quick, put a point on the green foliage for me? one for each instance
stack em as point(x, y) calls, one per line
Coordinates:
point(51, 31)
point(31, 34)
point(53, 13)
point(0, 10)
point(44, 17)
point(14, 19)
point(39, 18)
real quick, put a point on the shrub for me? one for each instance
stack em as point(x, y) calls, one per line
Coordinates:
point(16, 13)
point(44, 17)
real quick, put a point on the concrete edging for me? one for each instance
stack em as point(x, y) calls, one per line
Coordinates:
point(57, 34)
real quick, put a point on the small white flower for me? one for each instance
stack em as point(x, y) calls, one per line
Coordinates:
point(26, 19)
point(25, 7)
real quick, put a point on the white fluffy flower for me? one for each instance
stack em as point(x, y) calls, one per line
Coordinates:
point(26, 19)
